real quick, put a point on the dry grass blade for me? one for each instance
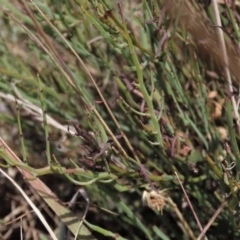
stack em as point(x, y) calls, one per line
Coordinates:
point(50, 198)
point(36, 210)
point(36, 112)
point(205, 35)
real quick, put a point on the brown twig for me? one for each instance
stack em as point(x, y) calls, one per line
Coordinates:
point(190, 205)
point(213, 218)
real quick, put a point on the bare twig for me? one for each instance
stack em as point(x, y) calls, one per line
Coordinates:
point(190, 205)
point(36, 210)
point(181, 219)
point(213, 218)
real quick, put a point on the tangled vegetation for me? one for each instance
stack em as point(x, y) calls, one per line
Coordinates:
point(130, 109)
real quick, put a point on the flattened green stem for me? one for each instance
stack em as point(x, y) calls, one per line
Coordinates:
point(100, 177)
point(126, 93)
point(12, 162)
point(21, 134)
point(143, 89)
point(104, 231)
point(44, 122)
point(214, 167)
point(133, 110)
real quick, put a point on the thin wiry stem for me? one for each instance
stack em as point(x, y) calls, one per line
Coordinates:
point(21, 133)
point(36, 210)
point(218, 211)
point(47, 138)
point(190, 205)
point(181, 219)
